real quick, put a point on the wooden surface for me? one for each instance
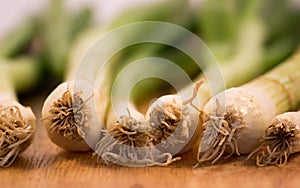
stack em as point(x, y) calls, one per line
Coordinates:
point(45, 165)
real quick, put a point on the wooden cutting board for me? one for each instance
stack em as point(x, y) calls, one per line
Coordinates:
point(46, 165)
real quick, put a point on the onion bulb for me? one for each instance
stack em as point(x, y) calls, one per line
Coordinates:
point(280, 140)
point(69, 116)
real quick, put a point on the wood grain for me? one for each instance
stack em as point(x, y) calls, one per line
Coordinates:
point(45, 165)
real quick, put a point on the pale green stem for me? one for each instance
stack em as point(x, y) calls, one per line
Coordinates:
point(245, 65)
point(23, 73)
point(6, 87)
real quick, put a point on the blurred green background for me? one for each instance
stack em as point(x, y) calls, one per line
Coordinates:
point(39, 45)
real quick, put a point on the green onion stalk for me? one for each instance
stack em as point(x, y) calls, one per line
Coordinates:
point(57, 31)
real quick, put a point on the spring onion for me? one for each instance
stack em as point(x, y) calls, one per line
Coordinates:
point(67, 113)
point(236, 118)
point(280, 140)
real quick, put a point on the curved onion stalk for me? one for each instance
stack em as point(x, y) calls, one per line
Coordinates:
point(17, 123)
point(280, 140)
point(237, 118)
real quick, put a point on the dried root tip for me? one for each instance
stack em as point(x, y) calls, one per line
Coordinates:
point(15, 134)
point(69, 116)
point(129, 142)
point(218, 137)
point(119, 143)
point(276, 145)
